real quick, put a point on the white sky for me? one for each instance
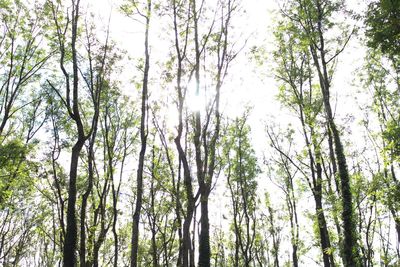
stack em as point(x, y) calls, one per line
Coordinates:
point(245, 86)
point(247, 83)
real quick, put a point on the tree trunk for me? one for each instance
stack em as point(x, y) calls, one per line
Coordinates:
point(69, 258)
point(323, 232)
point(143, 139)
point(187, 244)
point(204, 239)
point(71, 232)
point(350, 245)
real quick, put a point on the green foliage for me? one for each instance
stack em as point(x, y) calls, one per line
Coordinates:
point(391, 135)
point(297, 89)
point(243, 167)
point(33, 204)
point(16, 171)
point(383, 27)
point(242, 170)
point(21, 56)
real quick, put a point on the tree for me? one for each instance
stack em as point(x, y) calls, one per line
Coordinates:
point(72, 102)
point(143, 137)
point(22, 56)
point(242, 171)
point(284, 170)
point(314, 19)
point(91, 176)
point(274, 230)
point(22, 59)
point(382, 85)
point(297, 92)
point(383, 29)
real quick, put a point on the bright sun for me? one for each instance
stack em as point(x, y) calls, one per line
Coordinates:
point(195, 101)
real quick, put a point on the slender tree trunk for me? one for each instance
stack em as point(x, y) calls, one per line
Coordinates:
point(69, 257)
point(204, 239)
point(187, 244)
point(83, 207)
point(322, 225)
point(187, 256)
point(71, 231)
point(350, 245)
point(187, 179)
point(143, 139)
point(178, 206)
point(275, 238)
point(115, 188)
point(87, 193)
point(323, 232)
point(316, 188)
point(292, 207)
point(114, 226)
point(152, 214)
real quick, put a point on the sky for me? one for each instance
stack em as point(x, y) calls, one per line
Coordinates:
point(245, 86)
point(248, 83)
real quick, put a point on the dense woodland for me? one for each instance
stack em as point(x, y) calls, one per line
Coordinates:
point(110, 157)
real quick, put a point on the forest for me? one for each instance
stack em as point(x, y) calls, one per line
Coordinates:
point(241, 133)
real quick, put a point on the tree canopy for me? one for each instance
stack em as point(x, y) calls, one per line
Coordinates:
point(200, 133)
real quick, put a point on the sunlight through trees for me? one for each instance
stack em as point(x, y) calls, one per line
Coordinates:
point(200, 133)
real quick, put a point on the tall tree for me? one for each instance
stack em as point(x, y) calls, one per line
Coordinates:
point(72, 102)
point(242, 171)
point(314, 19)
point(297, 93)
point(96, 80)
point(180, 45)
point(70, 242)
point(382, 83)
point(382, 38)
point(205, 147)
point(284, 170)
point(143, 137)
